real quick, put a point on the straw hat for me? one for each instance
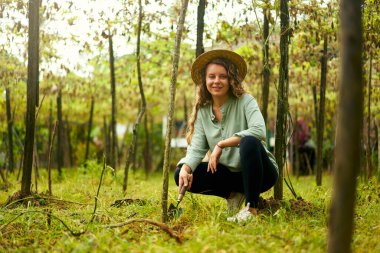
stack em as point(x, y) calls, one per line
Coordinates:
point(203, 59)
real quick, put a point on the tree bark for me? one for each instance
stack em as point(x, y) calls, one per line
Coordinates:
point(70, 147)
point(176, 54)
point(200, 27)
point(315, 106)
point(10, 131)
point(350, 118)
point(369, 151)
point(321, 114)
point(89, 129)
point(133, 147)
point(266, 68)
point(60, 153)
point(282, 100)
point(147, 148)
point(113, 97)
point(106, 140)
point(32, 95)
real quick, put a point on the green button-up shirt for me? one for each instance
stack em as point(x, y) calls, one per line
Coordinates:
point(240, 117)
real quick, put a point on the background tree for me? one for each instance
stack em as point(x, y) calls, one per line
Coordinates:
point(32, 95)
point(350, 118)
point(132, 148)
point(200, 27)
point(173, 82)
point(282, 100)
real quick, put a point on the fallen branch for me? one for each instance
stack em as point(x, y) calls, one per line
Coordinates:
point(49, 214)
point(160, 225)
point(97, 193)
point(42, 197)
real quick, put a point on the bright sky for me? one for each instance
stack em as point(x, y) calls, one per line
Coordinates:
point(81, 28)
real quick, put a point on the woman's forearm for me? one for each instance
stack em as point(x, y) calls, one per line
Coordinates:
point(233, 141)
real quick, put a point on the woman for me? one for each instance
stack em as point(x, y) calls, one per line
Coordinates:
point(227, 121)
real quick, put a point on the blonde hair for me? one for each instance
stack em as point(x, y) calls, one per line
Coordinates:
point(203, 96)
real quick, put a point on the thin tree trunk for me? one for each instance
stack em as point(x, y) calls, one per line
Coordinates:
point(70, 146)
point(315, 106)
point(369, 151)
point(147, 148)
point(282, 100)
point(49, 158)
point(60, 153)
point(32, 96)
point(378, 146)
point(50, 126)
point(296, 151)
point(200, 27)
point(105, 139)
point(89, 129)
point(321, 120)
point(113, 96)
point(350, 118)
point(176, 54)
point(133, 147)
point(266, 69)
point(10, 131)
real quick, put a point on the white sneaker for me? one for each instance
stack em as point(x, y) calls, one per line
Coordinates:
point(235, 201)
point(242, 216)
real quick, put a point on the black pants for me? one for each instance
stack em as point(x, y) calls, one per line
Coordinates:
point(257, 175)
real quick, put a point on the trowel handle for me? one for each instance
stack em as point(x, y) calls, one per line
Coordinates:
point(182, 193)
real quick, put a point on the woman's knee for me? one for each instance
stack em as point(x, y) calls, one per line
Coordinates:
point(250, 143)
point(176, 175)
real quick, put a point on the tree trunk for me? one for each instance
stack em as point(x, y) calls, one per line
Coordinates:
point(200, 27)
point(32, 95)
point(350, 118)
point(266, 69)
point(369, 151)
point(315, 106)
point(321, 120)
point(133, 146)
point(50, 127)
point(106, 140)
point(70, 147)
point(60, 153)
point(10, 131)
point(282, 100)
point(296, 149)
point(113, 96)
point(89, 129)
point(147, 149)
point(176, 54)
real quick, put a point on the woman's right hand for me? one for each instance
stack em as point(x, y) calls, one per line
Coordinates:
point(185, 177)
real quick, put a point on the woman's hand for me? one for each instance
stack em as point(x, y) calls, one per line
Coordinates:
point(185, 177)
point(214, 158)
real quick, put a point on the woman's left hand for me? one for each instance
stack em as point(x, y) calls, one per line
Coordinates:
point(214, 159)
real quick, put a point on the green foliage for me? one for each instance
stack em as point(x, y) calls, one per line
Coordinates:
point(203, 223)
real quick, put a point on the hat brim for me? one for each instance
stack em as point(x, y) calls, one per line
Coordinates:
point(205, 58)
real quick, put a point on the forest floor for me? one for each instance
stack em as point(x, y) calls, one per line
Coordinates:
point(291, 226)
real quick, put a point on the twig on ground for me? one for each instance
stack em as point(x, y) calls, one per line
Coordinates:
point(100, 184)
point(46, 213)
point(282, 238)
point(43, 197)
point(160, 225)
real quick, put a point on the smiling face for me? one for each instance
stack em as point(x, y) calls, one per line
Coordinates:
point(217, 81)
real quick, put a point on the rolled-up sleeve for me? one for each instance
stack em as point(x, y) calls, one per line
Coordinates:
point(255, 120)
point(197, 148)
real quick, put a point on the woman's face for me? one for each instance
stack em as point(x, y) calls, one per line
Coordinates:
point(217, 81)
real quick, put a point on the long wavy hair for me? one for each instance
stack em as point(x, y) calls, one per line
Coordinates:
point(203, 96)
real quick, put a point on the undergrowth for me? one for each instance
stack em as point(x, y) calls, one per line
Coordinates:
point(290, 226)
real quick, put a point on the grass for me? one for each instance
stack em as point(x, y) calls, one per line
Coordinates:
point(203, 224)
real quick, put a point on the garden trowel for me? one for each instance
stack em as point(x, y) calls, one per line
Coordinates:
point(174, 211)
